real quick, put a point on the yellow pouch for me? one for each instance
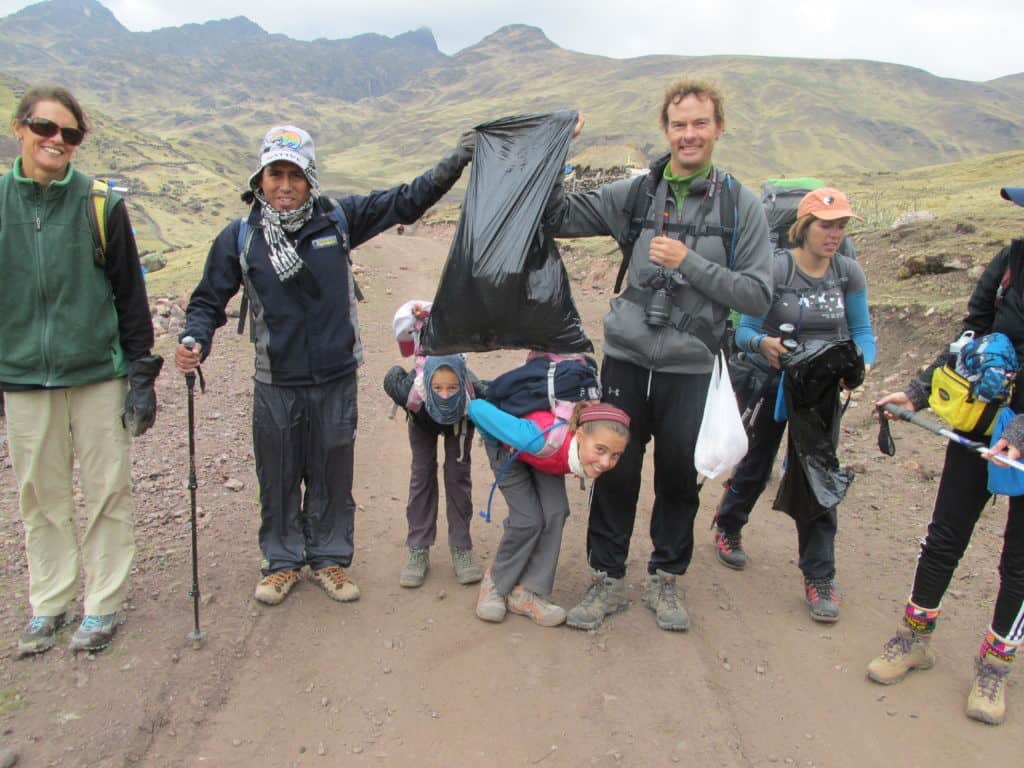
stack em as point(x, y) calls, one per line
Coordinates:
point(952, 400)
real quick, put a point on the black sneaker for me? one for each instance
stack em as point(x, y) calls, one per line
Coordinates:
point(822, 599)
point(730, 549)
point(41, 633)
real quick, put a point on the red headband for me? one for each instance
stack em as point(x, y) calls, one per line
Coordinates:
point(603, 412)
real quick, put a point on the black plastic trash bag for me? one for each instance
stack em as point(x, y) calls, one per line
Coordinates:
point(504, 284)
point(814, 483)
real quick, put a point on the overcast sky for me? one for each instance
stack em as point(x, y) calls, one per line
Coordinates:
point(977, 40)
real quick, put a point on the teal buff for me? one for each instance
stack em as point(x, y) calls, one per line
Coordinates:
point(445, 410)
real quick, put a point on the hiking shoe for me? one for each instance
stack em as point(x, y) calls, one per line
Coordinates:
point(336, 583)
point(822, 600)
point(661, 597)
point(490, 605)
point(604, 597)
point(904, 651)
point(987, 700)
point(41, 633)
point(94, 633)
point(416, 567)
point(526, 603)
point(274, 587)
point(467, 569)
point(730, 549)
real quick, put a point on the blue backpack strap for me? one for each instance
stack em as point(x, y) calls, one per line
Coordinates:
point(243, 241)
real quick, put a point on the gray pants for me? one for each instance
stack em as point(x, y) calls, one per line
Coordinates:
point(305, 436)
point(537, 510)
point(421, 511)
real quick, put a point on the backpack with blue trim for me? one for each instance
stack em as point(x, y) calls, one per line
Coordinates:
point(243, 242)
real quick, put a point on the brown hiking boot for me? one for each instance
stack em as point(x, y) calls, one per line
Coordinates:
point(905, 651)
point(987, 700)
point(336, 583)
point(274, 587)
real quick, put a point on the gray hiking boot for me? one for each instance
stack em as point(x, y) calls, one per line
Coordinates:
point(661, 597)
point(730, 549)
point(822, 600)
point(41, 633)
point(94, 633)
point(416, 567)
point(467, 569)
point(606, 596)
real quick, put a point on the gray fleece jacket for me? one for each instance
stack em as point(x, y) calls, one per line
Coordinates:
point(711, 288)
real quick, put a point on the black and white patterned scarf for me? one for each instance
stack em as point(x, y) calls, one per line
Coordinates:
point(276, 224)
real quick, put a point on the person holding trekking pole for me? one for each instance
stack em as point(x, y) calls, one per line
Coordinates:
point(996, 305)
point(291, 253)
point(819, 294)
point(76, 370)
point(695, 244)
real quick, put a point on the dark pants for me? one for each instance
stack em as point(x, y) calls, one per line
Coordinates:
point(963, 493)
point(815, 538)
point(303, 439)
point(421, 511)
point(667, 407)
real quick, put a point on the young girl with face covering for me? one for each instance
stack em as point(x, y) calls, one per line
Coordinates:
point(444, 393)
point(530, 456)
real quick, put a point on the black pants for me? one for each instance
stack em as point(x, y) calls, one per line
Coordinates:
point(962, 495)
point(303, 439)
point(815, 538)
point(667, 407)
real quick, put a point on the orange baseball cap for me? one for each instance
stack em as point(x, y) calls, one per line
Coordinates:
point(827, 203)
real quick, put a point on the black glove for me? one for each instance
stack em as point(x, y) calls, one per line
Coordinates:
point(449, 168)
point(140, 403)
point(398, 383)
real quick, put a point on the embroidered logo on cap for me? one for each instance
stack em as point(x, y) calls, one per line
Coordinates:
point(286, 139)
point(828, 200)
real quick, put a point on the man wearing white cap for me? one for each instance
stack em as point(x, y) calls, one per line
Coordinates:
point(291, 253)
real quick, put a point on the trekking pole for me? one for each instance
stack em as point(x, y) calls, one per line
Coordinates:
point(903, 414)
point(196, 636)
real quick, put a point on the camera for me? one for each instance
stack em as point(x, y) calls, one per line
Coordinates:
point(662, 284)
point(788, 335)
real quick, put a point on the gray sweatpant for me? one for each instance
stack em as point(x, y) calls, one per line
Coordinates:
point(421, 511)
point(537, 510)
point(303, 439)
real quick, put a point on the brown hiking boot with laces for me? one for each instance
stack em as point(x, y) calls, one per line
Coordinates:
point(336, 583)
point(274, 587)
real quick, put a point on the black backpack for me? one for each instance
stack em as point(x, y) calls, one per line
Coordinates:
point(781, 198)
point(638, 202)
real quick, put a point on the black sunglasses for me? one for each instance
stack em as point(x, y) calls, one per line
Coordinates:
point(40, 126)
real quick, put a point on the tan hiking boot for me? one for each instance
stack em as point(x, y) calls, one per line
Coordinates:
point(604, 597)
point(336, 583)
point(274, 587)
point(526, 603)
point(905, 651)
point(490, 605)
point(416, 566)
point(467, 569)
point(661, 597)
point(987, 700)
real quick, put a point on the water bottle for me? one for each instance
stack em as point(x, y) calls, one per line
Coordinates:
point(956, 346)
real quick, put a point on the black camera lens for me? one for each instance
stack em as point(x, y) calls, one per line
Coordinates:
point(658, 311)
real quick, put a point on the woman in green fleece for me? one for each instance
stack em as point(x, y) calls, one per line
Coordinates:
point(75, 369)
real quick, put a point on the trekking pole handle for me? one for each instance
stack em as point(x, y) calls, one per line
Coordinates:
point(189, 343)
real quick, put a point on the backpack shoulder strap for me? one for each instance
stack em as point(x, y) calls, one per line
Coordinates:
point(243, 241)
point(728, 207)
point(337, 217)
point(636, 205)
point(96, 213)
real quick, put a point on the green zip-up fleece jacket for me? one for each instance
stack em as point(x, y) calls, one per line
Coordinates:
point(64, 321)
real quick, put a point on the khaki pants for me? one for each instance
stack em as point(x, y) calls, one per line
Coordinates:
point(44, 428)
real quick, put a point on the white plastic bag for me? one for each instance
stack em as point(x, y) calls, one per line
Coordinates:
point(722, 440)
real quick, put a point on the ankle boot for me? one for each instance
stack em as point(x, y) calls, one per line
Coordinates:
point(987, 700)
point(604, 597)
point(908, 648)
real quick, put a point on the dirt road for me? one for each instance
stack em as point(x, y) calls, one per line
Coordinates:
point(411, 677)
